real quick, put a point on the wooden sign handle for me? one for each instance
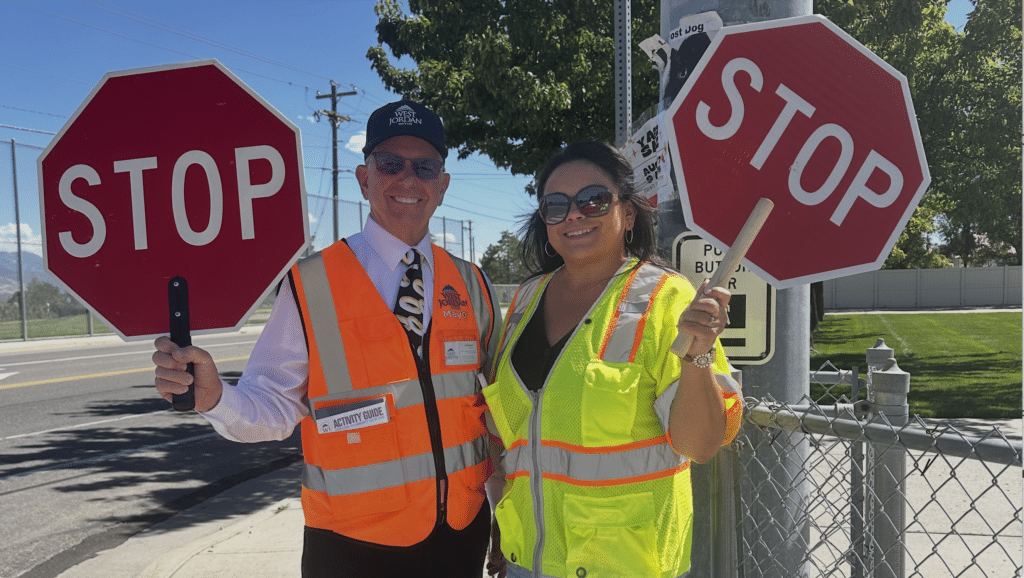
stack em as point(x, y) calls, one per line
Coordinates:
point(731, 260)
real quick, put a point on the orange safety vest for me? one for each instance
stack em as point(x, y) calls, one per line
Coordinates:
point(393, 445)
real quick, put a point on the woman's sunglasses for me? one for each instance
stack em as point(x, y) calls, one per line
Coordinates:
point(393, 163)
point(592, 201)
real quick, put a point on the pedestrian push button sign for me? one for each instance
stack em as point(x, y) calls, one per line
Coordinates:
point(749, 338)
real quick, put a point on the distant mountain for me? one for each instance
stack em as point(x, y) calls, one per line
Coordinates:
point(32, 265)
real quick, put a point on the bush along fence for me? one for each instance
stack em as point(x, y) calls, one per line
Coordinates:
point(858, 489)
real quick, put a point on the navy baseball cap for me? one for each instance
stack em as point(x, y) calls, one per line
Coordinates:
point(404, 118)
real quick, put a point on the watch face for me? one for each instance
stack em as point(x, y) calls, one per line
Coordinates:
point(705, 359)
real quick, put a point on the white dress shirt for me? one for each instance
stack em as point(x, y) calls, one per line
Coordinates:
point(270, 398)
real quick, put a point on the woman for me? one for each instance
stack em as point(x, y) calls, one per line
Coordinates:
point(599, 421)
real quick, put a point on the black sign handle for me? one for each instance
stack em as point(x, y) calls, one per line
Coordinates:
point(177, 296)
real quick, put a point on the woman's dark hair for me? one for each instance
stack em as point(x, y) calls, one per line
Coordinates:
point(616, 166)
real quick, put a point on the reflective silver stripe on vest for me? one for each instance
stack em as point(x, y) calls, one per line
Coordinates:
point(588, 467)
point(524, 295)
point(477, 297)
point(631, 311)
point(350, 481)
point(323, 320)
point(407, 393)
point(663, 405)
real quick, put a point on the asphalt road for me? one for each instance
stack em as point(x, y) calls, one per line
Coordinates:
point(90, 455)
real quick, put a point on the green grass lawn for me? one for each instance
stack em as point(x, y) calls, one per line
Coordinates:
point(961, 364)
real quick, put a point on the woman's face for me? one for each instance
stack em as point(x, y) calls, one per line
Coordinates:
point(580, 239)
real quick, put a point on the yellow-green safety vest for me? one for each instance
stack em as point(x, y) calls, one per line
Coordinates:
point(593, 487)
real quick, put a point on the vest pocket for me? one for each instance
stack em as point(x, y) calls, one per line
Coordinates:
point(363, 471)
point(383, 349)
point(610, 536)
point(608, 404)
point(512, 543)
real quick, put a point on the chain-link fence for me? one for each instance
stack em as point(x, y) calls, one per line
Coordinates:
point(32, 304)
point(856, 489)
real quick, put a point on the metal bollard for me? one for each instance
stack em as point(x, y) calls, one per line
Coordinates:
point(887, 391)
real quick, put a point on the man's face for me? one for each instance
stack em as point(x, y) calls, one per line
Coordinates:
point(402, 204)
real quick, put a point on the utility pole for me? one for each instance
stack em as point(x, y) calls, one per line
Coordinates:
point(335, 119)
point(786, 377)
point(622, 21)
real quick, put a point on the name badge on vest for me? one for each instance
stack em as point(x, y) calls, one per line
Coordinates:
point(460, 353)
point(354, 415)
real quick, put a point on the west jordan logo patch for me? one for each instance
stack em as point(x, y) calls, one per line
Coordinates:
point(405, 115)
point(451, 298)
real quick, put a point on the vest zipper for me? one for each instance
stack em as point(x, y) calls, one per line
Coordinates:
point(434, 429)
point(537, 481)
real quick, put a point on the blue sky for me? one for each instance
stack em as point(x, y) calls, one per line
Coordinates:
point(53, 52)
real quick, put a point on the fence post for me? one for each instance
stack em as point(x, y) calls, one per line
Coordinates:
point(856, 555)
point(877, 355)
point(17, 235)
point(887, 391)
point(715, 553)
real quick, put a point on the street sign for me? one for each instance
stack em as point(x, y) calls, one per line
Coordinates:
point(749, 339)
point(797, 111)
point(173, 171)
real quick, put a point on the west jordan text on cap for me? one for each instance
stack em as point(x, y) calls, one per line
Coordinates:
point(404, 118)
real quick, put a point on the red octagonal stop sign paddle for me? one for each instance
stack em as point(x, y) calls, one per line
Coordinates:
point(797, 111)
point(178, 171)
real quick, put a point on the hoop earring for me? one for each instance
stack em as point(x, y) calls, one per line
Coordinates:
point(629, 236)
point(553, 253)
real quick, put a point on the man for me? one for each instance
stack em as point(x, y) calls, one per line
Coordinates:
point(374, 345)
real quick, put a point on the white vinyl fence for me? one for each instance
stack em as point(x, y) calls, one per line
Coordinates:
point(926, 288)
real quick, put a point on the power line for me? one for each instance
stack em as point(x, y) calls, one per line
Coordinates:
point(133, 39)
point(46, 74)
point(32, 111)
point(191, 35)
point(21, 144)
point(102, 29)
point(26, 129)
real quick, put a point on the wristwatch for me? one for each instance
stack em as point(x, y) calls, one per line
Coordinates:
point(704, 360)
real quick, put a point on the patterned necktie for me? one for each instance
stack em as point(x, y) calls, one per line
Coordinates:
point(409, 306)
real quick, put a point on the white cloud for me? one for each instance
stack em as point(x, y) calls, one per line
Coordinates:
point(309, 119)
point(30, 241)
point(441, 238)
point(312, 219)
point(357, 142)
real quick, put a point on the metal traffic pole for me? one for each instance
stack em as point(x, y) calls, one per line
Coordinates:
point(777, 532)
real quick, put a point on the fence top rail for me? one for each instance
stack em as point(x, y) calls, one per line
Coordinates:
point(994, 448)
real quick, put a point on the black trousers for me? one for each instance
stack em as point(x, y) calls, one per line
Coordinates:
point(446, 553)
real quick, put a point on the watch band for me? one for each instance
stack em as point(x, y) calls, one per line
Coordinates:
point(704, 360)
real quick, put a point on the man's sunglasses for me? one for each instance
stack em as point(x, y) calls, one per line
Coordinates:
point(592, 201)
point(393, 163)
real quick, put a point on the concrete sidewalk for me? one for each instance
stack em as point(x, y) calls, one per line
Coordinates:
point(211, 540)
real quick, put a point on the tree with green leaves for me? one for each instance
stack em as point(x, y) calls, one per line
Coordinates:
point(516, 80)
point(43, 301)
point(983, 223)
point(502, 262)
point(967, 95)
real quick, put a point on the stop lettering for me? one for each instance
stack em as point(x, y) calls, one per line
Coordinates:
point(797, 111)
point(200, 179)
